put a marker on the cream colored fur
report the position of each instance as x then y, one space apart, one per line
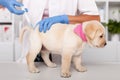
62 40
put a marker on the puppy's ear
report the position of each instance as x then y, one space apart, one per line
91 30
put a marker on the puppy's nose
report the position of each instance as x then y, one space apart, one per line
105 44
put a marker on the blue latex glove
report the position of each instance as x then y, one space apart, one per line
45 24
11 6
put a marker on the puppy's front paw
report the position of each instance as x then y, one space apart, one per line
82 69
52 65
34 70
65 74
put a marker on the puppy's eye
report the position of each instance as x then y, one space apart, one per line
101 36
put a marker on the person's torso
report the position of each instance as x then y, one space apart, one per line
55 7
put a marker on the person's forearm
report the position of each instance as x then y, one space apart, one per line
82 18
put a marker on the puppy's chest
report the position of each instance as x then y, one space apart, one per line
79 50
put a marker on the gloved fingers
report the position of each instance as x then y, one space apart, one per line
14 10
41 26
49 25
17 3
45 26
19 12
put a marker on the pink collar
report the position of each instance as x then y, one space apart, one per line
78 30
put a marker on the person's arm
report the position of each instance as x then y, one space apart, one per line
82 18
87 10
45 24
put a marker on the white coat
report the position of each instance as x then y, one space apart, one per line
59 7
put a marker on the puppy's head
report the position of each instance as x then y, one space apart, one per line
95 33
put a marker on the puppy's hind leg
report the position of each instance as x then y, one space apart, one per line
35 47
30 61
45 56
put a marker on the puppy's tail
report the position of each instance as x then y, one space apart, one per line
23 30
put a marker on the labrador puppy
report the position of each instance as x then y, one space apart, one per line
65 40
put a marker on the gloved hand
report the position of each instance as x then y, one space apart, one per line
45 24
11 6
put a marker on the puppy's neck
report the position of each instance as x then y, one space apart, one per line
79 31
